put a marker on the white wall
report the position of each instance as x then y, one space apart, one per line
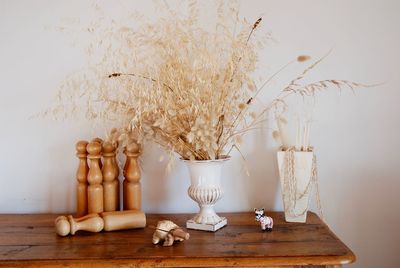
356 136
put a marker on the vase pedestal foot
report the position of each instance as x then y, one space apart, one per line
211 227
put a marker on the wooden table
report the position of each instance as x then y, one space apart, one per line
30 241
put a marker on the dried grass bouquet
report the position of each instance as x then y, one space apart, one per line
177 84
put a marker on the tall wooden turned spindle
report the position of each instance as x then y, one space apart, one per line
95 179
110 178
100 141
114 159
132 189
81 177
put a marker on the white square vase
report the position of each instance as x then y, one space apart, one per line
303 162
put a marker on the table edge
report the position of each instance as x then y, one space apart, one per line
182 261
185 262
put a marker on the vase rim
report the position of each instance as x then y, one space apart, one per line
222 159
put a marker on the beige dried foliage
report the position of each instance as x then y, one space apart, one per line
176 84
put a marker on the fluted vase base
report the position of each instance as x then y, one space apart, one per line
211 227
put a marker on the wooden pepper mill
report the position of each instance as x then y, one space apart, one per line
107 221
110 178
95 179
131 186
81 177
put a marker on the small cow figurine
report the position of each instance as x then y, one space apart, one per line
266 222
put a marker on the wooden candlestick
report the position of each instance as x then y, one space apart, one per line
131 186
95 179
110 178
107 221
81 176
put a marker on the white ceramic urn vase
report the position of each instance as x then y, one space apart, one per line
205 189
295 193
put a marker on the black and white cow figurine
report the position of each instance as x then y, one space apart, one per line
266 222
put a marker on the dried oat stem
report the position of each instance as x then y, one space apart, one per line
140 76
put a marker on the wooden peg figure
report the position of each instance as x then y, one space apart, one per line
100 141
95 179
96 222
114 159
110 178
68 225
131 186
81 177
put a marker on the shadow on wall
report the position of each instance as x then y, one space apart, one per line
164 191
263 186
154 184
62 186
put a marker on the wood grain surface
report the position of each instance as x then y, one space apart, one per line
30 241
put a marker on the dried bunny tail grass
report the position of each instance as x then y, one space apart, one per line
303 58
